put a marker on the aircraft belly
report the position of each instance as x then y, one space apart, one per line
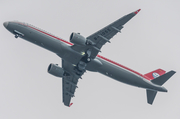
37 38
119 73
62 50
44 41
125 76
122 75
52 44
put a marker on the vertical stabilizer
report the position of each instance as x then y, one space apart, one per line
154 74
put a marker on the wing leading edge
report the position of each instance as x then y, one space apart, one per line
99 38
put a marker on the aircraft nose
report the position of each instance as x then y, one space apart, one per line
5 24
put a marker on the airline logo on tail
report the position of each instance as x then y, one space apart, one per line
155 75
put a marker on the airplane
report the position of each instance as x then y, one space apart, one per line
81 54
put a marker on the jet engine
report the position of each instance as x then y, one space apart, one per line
55 70
77 39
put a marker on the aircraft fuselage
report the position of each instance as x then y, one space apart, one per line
63 49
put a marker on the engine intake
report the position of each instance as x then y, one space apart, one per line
77 39
55 70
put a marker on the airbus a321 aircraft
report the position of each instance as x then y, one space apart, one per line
81 54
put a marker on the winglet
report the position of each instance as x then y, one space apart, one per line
70 104
137 11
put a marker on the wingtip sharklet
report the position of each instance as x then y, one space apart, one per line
70 105
137 11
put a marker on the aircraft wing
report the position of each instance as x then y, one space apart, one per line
99 38
94 44
69 82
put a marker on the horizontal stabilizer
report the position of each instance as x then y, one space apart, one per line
163 78
150 96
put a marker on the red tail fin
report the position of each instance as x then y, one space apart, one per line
154 74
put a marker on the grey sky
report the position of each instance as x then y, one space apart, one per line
148 41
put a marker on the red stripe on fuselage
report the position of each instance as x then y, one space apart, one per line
45 33
51 35
115 63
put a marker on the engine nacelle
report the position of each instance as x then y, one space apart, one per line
77 39
55 70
